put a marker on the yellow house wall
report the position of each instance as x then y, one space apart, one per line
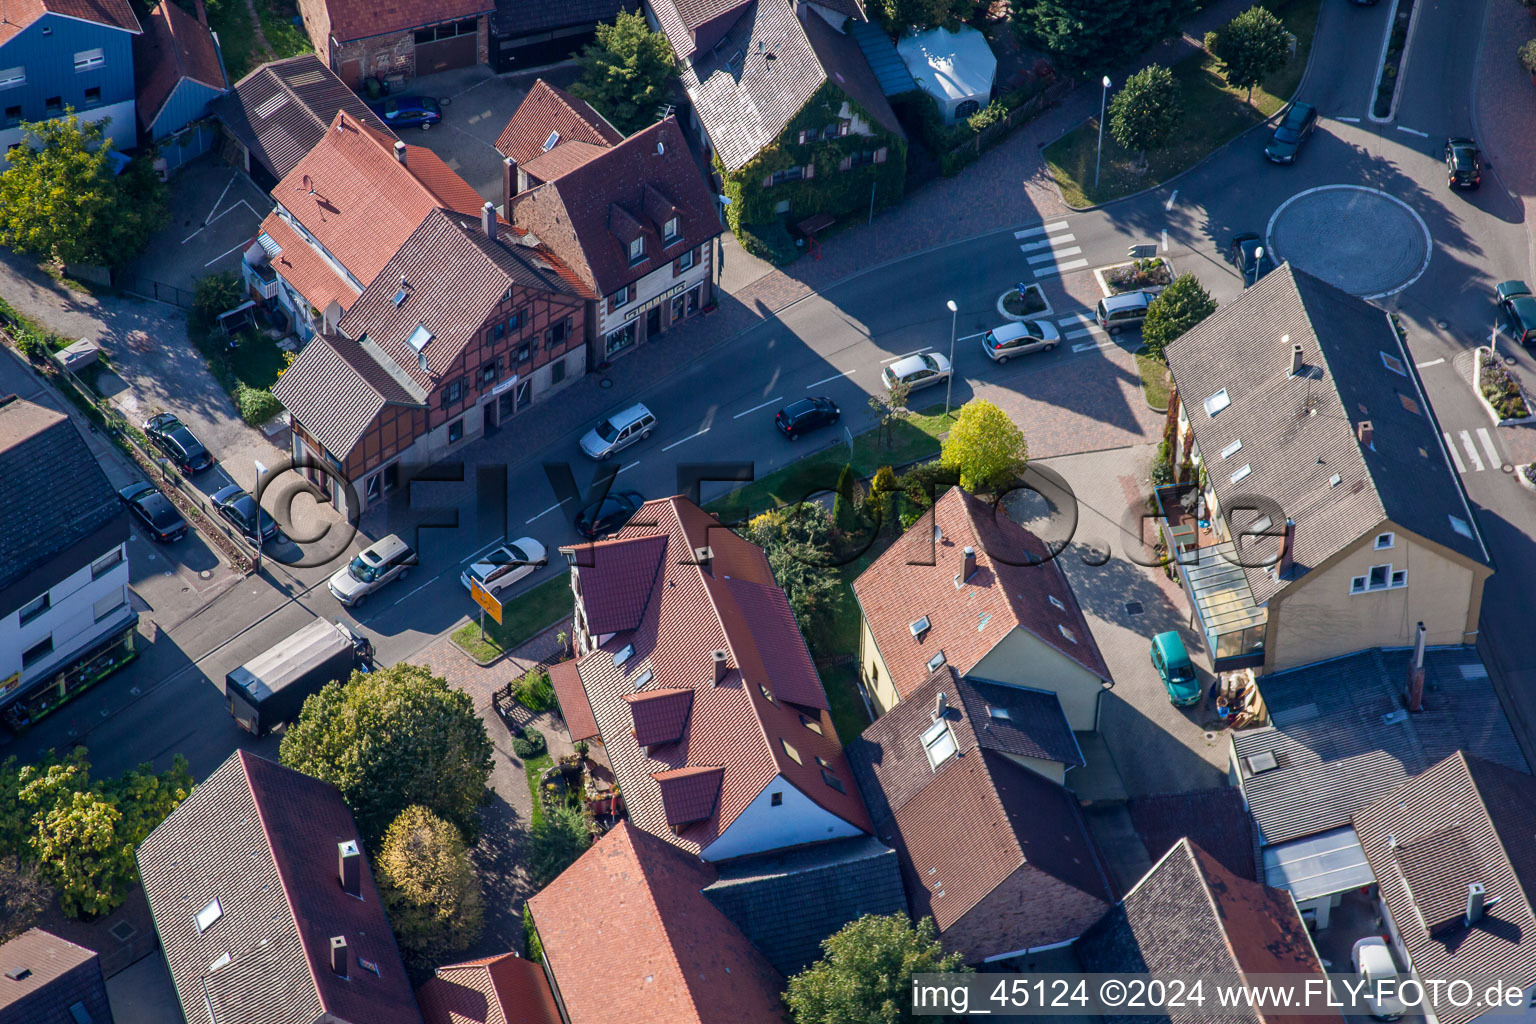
1023 659
877 678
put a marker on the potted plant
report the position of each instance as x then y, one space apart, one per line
1528 58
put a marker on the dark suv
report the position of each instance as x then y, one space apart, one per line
808 414
173 438
1249 256
1463 164
1519 308
243 513
1295 128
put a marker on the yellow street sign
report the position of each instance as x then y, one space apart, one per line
485 599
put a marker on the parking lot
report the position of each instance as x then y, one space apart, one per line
215 211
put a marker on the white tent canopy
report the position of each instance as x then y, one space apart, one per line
955 68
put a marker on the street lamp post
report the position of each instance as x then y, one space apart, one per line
1103 105
949 385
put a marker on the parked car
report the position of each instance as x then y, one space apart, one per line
175 440
609 516
243 513
1519 308
619 431
918 371
505 566
1173 666
376 566
405 111
1019 339
1463 164
1372 960
1128 309
808 414
1249 256
1295 127
154 511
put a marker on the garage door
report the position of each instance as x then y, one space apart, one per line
454 45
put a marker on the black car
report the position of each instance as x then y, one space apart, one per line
1463 164
154 511
1249 256
610 516
806 415
173 438
1294 129
242 512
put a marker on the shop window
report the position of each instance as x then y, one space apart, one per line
557 371
32 609
622 338
456 431
37 652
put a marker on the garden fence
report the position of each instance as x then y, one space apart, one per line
970 150
146 288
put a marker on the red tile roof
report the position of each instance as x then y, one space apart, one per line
688 794
631 939
173 46
502 989
573 701
360 19
660 715
565 157
899 589
112 13
305 269
575 213
674 625
548 109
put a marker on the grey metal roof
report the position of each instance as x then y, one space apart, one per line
1336 748
55 497
1319 865
1298 433
788 903
889 68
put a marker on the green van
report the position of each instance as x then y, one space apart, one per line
1173 666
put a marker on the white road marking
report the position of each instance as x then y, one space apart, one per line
757 407
1477 461
546 512
1047 243
685 440
1450 446
216 202
1413 131
418 590
1059 268
1084 333
1046 229
1075 319
1351 120
1171 197
967 337
224 254
824 380
914 352
1089 346
1047 257
1165 239
1430 362
1488 446
629 467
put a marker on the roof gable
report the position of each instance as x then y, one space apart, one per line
114 14
549 117
174 47
660 716
502 989
337 390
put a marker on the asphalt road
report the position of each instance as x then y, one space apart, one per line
836 343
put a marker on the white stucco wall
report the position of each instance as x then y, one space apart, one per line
762 826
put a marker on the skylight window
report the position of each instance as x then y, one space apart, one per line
1057 602
1461 526
1408 403
221 961
833 781
642 679
811 724
1231 449
208 915
1217 402
399 299
1335 480
982 620
999 713
552 141
419 338
791 751
920 626
625 653
1067 632
935 662
1394 364
939 743
1239 474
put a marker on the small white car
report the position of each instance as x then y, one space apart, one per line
918 371
1372 960
505 565
1018 339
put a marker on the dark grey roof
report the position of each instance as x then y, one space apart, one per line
280 110
336 390
59 975
1335 753
1299 433
890 70
60 510
846 66
526 17
788 903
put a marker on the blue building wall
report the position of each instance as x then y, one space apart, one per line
188 102
46 49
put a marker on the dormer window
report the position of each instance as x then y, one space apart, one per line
637 250
669 230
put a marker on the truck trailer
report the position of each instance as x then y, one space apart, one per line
271 687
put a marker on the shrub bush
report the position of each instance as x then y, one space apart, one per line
1528 56
1502 390
256 405
530 744
534 690
770 241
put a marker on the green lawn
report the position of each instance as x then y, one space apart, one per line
1154 379
915 438
257 361
1214 114
534 767
522 618
237 36
285 38
842 685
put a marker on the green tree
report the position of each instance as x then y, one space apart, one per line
23 896
390 739
845 514
1092 35
625 73
985 447
429 887
1251 47
890 408
896 16
59 198
555 841
798 542
1181 305
865 973
1146 110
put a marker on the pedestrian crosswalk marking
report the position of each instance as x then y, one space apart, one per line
1059 268
1450 446
1047 257
1047 243
1488 446
1045 229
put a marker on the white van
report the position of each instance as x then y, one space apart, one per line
620 430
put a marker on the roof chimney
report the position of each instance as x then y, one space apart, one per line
488 220
970 563
940 705
339 955
1416 672
1475 893
1287 549
1296 361
1365 432
508 184
400 151
350 868
722 666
